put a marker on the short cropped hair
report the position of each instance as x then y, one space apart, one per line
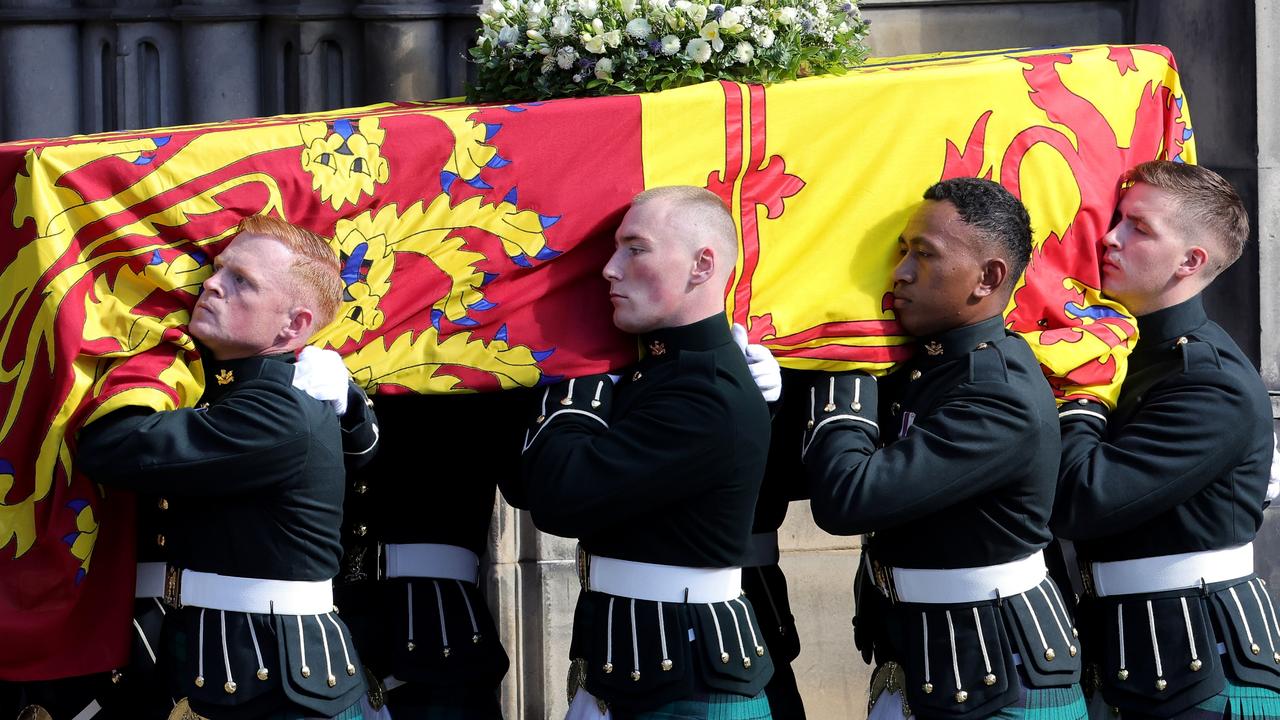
998 216
314 274
1207 204
704 211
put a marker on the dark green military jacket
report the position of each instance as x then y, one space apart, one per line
952 463
250 484
433 481
1180 465
663 468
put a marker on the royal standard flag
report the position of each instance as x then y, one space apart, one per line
471 240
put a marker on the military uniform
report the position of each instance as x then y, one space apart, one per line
1163 497
952 585
249 488
658 477
414 541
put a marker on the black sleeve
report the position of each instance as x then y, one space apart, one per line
581 474
359 429
1179 441
251 439
953 454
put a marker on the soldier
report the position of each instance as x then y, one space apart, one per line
409 586
249 488
1163 495
658 477
953 602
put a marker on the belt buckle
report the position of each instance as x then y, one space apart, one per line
172 586
1086 577
883 577
584 568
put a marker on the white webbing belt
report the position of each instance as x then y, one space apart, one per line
967 585
256 595
663 583
432 560
1172 572
150 582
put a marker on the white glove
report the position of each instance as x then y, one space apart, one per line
1273 487
764 369
322 375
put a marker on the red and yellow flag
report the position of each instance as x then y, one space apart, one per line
472 239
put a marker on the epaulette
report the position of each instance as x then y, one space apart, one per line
1198 354
986 364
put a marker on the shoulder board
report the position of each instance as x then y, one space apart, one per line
694 362
987 365
1199 355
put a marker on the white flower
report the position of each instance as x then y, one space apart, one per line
508 35
698 50
577 78
535 10
548 62
711 33
604 69
697 13
613 38
628 7
561 26
598 26
565 57
545 50
588 8
764 36
787 15
535 36
744 53
639 29
731 21
670 45
593 43
494 7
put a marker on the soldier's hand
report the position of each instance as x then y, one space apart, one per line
764 368
845 399
322 375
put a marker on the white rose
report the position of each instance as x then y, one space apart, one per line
598 26
507 35
670 45
593 44
744 53
494 7
711 33
787 15
697 13
698 50
561 26
613 38
765 37
535 36
731 20
588 8
628 7
536 10
565 57
604 69
639 29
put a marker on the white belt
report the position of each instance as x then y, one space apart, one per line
150 582
967 585
662 583
1172 572
255 595
431 560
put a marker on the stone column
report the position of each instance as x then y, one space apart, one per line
313 52
148 64
40 63
1268 117
405 44
221 59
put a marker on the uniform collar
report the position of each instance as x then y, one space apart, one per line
1164 327
960 341
664 343
222 376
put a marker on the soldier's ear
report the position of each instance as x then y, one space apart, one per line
995 271
704 266
1194 260
301 324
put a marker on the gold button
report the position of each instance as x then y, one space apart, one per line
230 687
981 346
305 671
667 665
1196 665
1049 654
116 677
1181 341
263 673
332 681
989 680
360 530
961 696
361 488
199 681
1122 674
160 540
915 374
608 668
724 658
635 676
635 377
1161 684
163 504
927 687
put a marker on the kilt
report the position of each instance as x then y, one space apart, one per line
699 706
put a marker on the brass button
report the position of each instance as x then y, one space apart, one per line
361 488
116 677
981 346
1181 341
961 696
895 408
163 504
360 530
160 540
915 374
263 673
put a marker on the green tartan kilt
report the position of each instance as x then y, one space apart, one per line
709 706
1235 702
